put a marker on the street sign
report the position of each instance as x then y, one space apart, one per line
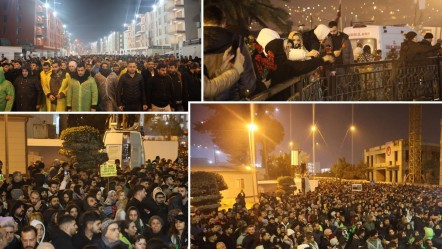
108 170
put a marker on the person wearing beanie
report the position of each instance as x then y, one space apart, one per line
17 194
414 53
67 227
157 206
28 91
110 234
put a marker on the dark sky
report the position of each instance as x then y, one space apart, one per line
90 20
375 124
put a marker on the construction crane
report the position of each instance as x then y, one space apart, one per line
415 145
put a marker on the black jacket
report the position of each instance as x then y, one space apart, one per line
192 82
216 41
28 93
62 241
413 53
160 92
80 240
310 40
144 216
178 85
130 90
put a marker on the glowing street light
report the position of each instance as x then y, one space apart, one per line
252 128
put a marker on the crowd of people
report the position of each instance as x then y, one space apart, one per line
67 207
257 64
381 216
99 83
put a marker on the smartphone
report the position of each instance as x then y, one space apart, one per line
236 43
66 173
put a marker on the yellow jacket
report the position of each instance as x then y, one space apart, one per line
61 103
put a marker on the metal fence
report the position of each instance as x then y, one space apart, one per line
375 81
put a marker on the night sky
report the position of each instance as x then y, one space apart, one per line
90 20
375 124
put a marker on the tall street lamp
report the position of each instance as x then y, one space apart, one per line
352 129
252 128
313 129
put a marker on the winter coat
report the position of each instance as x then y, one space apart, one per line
6 89
107 91
412 53
178 85
62 241
61 103
130 90
216 85
310 41
28 93
160 92
338 42
216 41
82 96
192 82
287 69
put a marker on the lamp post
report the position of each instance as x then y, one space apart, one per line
352 129
313 143
252 128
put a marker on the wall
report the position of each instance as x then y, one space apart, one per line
16 145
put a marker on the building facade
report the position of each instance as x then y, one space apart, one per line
389 162
31 25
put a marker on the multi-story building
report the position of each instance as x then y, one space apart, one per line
389 162
170 25
31 25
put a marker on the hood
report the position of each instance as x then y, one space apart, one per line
2 75
265 36
217 40
156 191
321 31
34 223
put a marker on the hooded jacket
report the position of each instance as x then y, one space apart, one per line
61 103
82 94
6 89
107 91
28 92
216 41
34 223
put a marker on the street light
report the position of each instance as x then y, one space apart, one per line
352 129
252 128
313 128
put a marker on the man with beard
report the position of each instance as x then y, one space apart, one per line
28 92
7 93
38 204
83 93
8 226
45 77
54 206
137 201
130 93
29 237
15 72
340 45
148 72
67 228
160 93
178 85
251 240
116 69
18 213
89 202
179 201
90 230
156 204
192 81
107 82
56 89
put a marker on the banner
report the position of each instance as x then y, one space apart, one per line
108 170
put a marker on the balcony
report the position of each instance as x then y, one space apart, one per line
40 22
174 7
172 30
39 34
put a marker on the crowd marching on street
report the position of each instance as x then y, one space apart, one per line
99 83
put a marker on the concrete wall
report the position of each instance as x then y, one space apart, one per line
16 143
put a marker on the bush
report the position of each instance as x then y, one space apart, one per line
205 190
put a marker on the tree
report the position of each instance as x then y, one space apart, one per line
205 189
243 12
82 145
344 170
285 185
279 165
228 130
166 126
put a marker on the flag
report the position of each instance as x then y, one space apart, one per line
338 15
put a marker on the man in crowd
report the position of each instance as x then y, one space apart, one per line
28 237
56 89
82 93
107 83
130 91
160 92
67 228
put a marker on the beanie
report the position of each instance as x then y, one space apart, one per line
105 225
16 193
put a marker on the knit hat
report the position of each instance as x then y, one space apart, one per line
321 31
290 232
265 36
16 193
334 241
156 191
105 225
410 35
428 36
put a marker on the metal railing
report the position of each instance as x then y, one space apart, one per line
374 81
